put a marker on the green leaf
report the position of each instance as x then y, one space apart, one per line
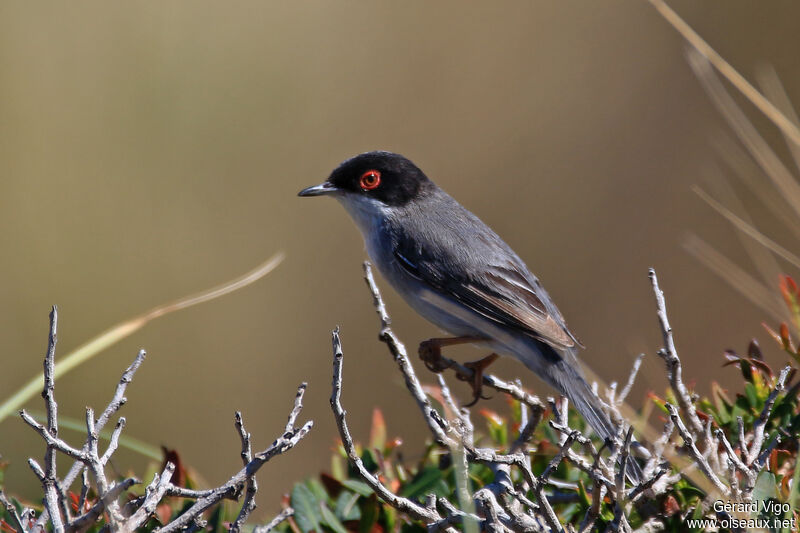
338 470
698 510
346 508
369 514
586 500
390 518
766 487
306 509
318 489
357 486
330 520
422 483
752 395
369 460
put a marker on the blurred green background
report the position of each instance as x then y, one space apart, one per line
152 149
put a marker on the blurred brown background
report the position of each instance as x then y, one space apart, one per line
148 150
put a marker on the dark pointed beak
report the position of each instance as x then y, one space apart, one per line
319 190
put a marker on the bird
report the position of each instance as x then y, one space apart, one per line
456 272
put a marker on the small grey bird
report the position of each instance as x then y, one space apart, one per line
459 274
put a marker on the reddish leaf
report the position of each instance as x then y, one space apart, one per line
792 285
660 402
772 333
785 338
73 498
377 435
492 417
332 485
163 513
718 391
754 350
179 475
744 365
731 356
785 489
763 367
671 506
393 444
785 290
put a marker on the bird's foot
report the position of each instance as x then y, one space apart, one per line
430 351
476 379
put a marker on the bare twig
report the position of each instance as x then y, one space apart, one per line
670 355
699 460
761 423
87 519
275 522
249 503
52 497
234 485
138 511
637 363
153 495
16 521
527 430
404 505
436 424
117 401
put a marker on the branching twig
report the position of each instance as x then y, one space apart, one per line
138 511
631 379
249 504
283 515
234 485
404 505
53 499
761 423
436 424
670 355
699 460
16 521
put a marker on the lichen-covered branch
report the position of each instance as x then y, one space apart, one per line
517 500
89 459
670 355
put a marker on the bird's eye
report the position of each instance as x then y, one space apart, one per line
370 180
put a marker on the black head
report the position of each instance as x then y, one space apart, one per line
388 177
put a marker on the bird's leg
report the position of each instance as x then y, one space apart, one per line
430 351
476 380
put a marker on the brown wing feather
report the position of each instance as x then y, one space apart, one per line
500 289
540 324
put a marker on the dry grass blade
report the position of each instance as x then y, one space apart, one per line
773 89
747 133
762 257
747 285
124 329
789 129
746 228
751 176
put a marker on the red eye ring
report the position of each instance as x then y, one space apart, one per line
370 180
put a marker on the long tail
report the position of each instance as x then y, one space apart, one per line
566 376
